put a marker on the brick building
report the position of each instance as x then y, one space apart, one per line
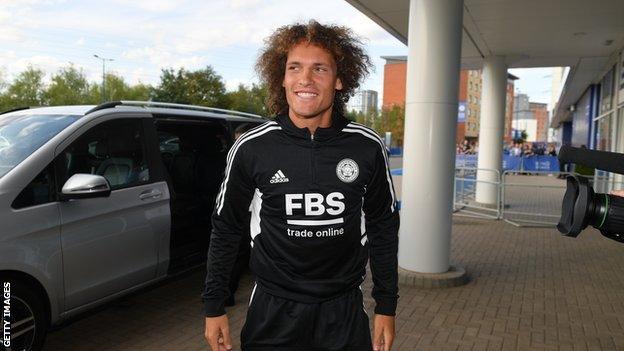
540 112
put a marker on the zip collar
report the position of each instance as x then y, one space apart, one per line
321 134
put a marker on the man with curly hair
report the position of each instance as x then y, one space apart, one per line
322 205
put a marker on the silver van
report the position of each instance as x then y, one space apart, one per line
99 201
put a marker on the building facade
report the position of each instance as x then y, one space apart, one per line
469 96
540 113
364 101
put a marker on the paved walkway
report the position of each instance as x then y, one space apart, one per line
529 289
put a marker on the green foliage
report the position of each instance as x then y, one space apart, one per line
351 115
117 89
369 119
27 89
202 87
250 100
392 120
69 86
523 136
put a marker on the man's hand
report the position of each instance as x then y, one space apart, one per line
218 333
383 332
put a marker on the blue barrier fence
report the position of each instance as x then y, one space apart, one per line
396 151
515 163
510 163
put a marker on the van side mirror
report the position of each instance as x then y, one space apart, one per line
85 186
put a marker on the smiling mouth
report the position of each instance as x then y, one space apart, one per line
304 94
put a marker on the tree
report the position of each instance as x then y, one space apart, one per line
249 100
392 120
351 115
69 86
118 89
201 87
368 119
27 89
139 92
522 137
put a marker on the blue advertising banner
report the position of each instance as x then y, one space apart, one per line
515 163
466 161
510 163
539 163
548 163
529 164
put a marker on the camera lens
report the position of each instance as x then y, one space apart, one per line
582 207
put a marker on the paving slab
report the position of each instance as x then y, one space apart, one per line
530 288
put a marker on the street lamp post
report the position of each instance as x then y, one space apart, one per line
103 74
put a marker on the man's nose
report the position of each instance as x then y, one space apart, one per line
305 78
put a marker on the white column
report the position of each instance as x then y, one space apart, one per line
434 44
491 128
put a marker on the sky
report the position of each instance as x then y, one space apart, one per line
144 36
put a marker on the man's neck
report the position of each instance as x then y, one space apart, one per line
324 120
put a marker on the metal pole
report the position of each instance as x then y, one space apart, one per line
103 80
103 74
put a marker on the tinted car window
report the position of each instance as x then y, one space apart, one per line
21 135
114 150
39 191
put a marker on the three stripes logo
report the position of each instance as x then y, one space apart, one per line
279 177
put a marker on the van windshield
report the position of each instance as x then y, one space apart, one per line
22 134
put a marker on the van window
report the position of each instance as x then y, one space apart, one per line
113 149
22 134
39 191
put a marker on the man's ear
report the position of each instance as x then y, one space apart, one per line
338 85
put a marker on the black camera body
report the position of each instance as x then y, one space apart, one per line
581 206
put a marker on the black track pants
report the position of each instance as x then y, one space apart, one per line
275 323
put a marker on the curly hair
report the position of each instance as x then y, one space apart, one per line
353 64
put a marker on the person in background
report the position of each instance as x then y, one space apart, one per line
551 150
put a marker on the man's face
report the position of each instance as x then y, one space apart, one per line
310 81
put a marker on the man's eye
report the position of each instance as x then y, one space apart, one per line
292 68
321 69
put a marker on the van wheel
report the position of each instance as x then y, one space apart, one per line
28 319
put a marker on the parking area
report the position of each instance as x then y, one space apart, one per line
530 288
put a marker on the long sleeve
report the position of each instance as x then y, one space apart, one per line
228 225
382 227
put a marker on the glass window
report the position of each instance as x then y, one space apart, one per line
113 149
606 92
603 134
21 134
37 192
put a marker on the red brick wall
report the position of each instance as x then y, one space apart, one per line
463 85
395 75
394 84
540 111
507 136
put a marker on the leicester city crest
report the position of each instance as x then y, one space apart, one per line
347 170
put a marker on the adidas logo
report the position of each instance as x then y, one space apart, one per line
279 177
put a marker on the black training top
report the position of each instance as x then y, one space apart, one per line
320 205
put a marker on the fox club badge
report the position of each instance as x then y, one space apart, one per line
347 170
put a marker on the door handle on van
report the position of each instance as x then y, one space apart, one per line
150 194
